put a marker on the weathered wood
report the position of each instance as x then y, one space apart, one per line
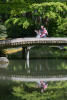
24 42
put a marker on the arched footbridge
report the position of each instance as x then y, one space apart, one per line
27 43
24 42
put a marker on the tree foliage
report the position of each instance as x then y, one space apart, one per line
2 31
31 14
56 14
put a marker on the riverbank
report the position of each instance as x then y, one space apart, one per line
28 91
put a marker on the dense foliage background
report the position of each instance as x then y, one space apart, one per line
22 17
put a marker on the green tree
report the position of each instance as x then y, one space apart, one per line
25 15
2 31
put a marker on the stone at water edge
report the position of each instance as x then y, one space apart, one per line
4 60
3 65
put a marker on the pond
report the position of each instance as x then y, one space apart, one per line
38 68
35 68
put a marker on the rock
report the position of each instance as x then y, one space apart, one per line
4 60
5 65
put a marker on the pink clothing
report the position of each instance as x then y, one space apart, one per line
45 86
43 32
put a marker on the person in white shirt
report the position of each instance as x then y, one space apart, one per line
38 33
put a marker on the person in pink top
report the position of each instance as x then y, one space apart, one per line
43 32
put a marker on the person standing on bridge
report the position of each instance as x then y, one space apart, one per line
43 32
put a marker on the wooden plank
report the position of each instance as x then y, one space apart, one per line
32 41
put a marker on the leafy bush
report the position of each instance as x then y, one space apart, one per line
19 27
23 21
3 31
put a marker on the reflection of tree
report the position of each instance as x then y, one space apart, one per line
6 91
47 67
46 64
28 91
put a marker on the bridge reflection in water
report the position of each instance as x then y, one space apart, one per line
46 69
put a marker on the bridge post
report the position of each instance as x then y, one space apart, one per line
25 53
27 56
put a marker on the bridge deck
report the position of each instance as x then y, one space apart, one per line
32 41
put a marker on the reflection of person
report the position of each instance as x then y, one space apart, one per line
42 85
43 31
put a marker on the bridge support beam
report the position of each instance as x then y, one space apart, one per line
27 57
25 53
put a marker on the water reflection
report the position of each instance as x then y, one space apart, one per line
34 68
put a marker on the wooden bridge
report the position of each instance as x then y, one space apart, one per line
27 43
24 42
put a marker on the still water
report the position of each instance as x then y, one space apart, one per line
12 90
35 68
